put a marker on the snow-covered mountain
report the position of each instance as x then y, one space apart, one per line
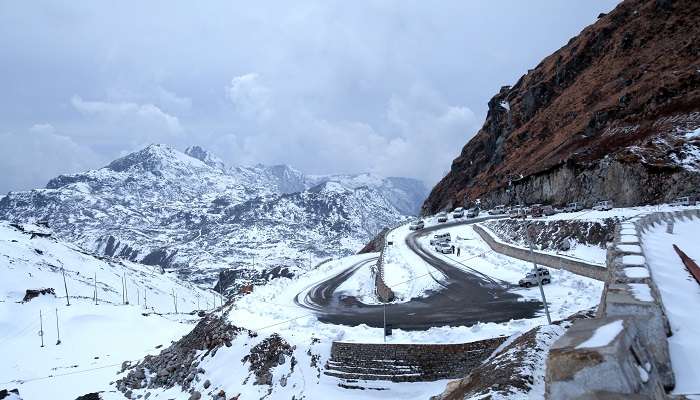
191 212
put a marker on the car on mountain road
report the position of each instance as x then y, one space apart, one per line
605 205
444 248
440 237
500 209
573 207
442 217
548 210
416 225
472 212
536 210
458 212
531 278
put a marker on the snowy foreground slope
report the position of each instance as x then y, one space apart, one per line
190 212
95 338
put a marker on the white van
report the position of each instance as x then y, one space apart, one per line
604 205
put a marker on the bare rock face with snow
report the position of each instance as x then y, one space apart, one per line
614 114
191 212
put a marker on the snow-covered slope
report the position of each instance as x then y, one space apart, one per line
189 211
95 338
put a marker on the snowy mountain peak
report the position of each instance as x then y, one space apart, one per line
206 157
156 157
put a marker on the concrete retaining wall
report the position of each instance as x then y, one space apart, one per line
548 260
636 361
407 362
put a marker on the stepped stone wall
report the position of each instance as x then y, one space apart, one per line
407 362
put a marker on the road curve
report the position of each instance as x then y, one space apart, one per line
465 298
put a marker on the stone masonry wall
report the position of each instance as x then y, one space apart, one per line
407 362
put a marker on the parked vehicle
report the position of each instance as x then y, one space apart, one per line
416 225
536 210
573 207
517 212
548 210
458 212
473 212
604 205
442 217
531 278
684 201
501 209
444 248
439 238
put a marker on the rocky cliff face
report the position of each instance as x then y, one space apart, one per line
614 114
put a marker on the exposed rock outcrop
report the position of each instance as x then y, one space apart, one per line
179 364
614 114
550 234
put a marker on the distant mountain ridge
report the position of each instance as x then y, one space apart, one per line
191 212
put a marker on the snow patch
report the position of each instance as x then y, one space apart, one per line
603 335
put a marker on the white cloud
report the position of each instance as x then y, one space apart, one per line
42 128
249 96
149 114
419 137
39 154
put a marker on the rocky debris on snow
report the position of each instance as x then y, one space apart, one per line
233 282
32 293
555 234
610 115
90 396
179 364
12 394
264 356
375 244
515 367
511 369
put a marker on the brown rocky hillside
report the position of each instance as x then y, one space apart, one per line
611 115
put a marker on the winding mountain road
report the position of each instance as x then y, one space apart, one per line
465 298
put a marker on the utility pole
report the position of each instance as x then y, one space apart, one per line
530 238
126 290
384 322
123 299
145 302
41 328
175 301
58 332
95 288
63 271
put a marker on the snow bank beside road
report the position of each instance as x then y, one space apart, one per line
680 294
408 275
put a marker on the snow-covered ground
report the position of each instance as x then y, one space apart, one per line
680 294
95 339
620 212
408 275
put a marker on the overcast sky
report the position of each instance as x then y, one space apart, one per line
392 87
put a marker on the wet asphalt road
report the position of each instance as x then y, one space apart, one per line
465 297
